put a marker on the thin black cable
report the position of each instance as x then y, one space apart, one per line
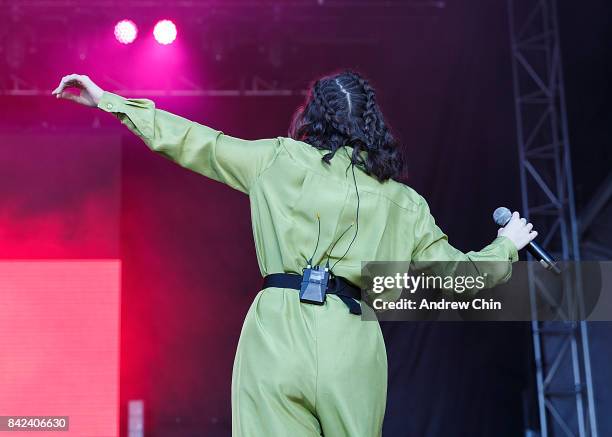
336 242
309 261
356 222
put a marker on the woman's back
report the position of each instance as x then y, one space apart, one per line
297 189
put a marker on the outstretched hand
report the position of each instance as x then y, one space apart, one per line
89 93
518 231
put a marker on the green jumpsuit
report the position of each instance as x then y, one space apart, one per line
306 370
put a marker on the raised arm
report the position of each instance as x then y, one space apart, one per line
433 250
207 151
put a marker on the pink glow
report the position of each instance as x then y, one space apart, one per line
165 32
59 342
126 31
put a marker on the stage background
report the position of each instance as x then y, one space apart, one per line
189 270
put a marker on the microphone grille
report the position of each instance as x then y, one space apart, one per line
502 216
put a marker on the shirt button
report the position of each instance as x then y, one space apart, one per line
109 105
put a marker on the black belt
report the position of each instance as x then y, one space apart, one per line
347 292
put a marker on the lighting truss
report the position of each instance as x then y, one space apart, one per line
562 359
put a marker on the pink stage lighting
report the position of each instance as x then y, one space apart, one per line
165 32
126 31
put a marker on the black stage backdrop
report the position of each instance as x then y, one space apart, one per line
189 267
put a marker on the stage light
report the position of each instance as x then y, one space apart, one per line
126 31
164 32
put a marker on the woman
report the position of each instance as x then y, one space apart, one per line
324 196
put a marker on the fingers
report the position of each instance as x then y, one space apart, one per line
515 221
527 228
60 86
518 230
70 80
69 96
519 221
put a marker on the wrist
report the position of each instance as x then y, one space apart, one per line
97 95
510 246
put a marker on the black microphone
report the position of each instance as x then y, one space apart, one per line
502 216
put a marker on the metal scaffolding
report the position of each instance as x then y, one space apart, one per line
561 349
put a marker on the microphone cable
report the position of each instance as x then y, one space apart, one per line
352 165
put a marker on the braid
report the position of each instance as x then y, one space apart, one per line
341 110
331 117
368 119
369 115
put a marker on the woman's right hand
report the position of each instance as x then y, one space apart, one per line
89 93
518 231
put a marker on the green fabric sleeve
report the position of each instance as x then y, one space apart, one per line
432 249
210 152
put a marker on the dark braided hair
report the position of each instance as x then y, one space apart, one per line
341 110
